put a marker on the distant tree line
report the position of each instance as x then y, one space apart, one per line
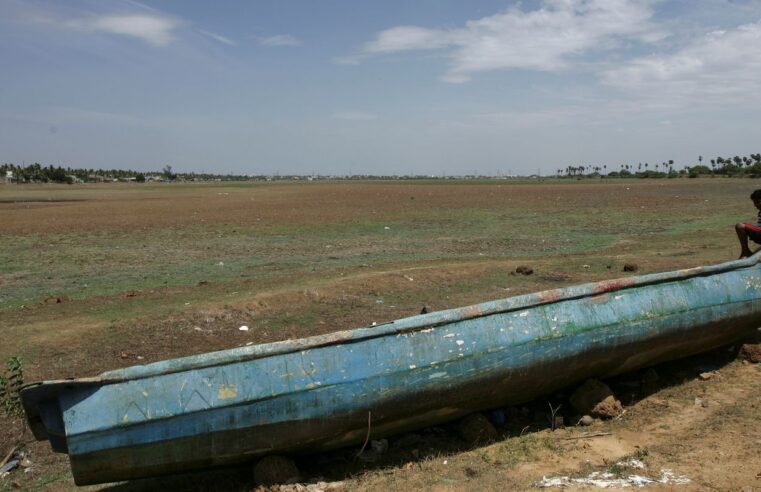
725 166
38 173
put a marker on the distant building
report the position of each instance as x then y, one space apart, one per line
9 176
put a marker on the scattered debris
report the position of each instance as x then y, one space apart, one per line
701 402
14 459
524 270
301 487
595 398
243 328
275 469
201 283
631 267
476 428
10 465
588 435
705 376
751 352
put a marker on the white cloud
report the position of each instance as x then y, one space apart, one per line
547 39
354 116
280 40
153 29
218 37
721 66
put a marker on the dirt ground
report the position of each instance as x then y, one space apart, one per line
98 277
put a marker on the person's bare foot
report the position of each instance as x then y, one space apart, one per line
745 254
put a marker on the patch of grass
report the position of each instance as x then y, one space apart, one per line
518 450
616 470
11 382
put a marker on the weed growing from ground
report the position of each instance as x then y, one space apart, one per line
10 384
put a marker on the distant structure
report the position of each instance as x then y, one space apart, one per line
9 176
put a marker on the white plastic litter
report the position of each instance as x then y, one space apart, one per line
243 328
606 480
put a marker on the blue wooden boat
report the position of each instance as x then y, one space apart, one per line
229 407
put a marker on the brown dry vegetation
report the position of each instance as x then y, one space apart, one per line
151 272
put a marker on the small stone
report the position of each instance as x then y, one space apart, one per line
476 428
631 267
704 403
586 420
275 469
705 376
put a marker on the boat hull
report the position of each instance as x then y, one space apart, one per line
230 407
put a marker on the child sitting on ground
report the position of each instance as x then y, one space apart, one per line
750 231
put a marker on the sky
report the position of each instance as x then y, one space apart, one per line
438 87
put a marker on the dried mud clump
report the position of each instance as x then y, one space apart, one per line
631 267
751 353
524 270
595 398
476 428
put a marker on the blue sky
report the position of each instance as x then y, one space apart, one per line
348 87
